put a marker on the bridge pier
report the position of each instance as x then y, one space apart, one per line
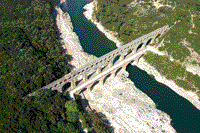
84 76
124 66
101 81
98 71
73 83
135 50
110 64
121 58
153 40
144 45
113 74
72 97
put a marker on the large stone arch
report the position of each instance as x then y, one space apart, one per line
78 82
157 36
116 59
94 84
117 71
149 41
66 86
90 75
106 77
139 46
84 89
129 51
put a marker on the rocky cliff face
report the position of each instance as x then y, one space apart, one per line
127 108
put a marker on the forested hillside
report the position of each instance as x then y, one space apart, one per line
31 58
131 19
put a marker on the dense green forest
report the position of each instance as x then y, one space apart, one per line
131 20
174 71
48 111
31 57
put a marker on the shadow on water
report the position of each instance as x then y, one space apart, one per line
185 117
91 39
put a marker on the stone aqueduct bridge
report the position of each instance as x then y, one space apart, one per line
105 66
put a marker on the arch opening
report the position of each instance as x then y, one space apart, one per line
139 47
104 80
130 62
78 82
140 57
158 36
93 85
116 59
66 86
84 89
103 68
90 75
149 41
128 53
118 70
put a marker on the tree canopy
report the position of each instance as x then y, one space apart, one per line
31 57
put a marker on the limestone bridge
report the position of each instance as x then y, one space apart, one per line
105 66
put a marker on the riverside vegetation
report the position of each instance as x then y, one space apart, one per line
131 19
31 57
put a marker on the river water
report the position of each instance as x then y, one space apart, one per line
185 117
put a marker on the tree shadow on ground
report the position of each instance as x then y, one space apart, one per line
97 119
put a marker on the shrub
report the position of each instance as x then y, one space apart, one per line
168 68
185 85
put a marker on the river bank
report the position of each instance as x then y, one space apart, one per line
189 95
70 41
131 106
142 64
110 35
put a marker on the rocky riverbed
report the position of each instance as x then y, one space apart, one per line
70 41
